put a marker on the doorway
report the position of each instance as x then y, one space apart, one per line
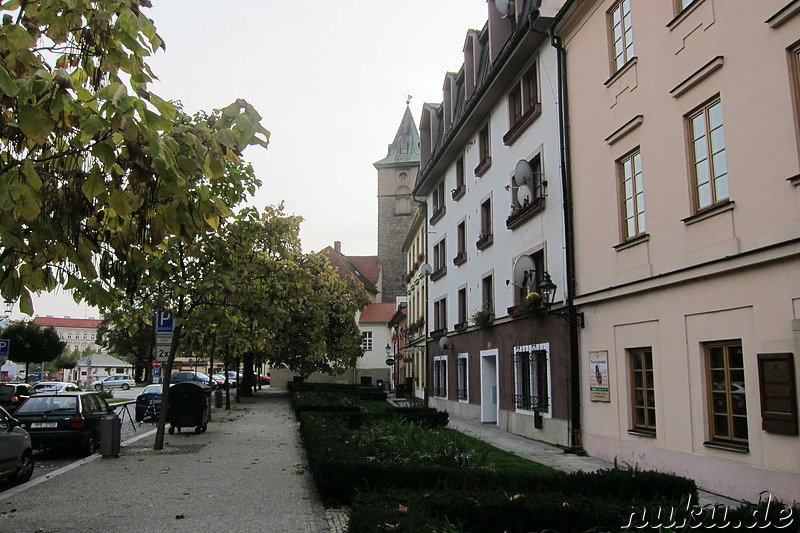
489 392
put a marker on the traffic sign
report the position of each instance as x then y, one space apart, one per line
156 373
164 339
164 322
162 354
5 346
156 364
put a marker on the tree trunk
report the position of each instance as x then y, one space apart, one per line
246 385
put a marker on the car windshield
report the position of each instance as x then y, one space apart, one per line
48 404
46 387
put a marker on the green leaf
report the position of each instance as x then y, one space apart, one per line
92 125
25 302
35 123
105 153
95 184
7 83
119 203
32 176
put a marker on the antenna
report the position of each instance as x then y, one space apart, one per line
522 173
505 7
444 343
524 270
426 269
524 195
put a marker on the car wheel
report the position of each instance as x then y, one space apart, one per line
98 387
24 469
171 431
125 386
91 445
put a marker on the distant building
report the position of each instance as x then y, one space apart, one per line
78 333
95 367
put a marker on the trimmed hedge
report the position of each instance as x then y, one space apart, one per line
342 390
341 470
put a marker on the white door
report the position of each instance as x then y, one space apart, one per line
489 390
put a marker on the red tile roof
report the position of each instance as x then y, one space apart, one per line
57 322
365 269
378 313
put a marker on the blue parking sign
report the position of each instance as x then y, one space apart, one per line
5 346
164 322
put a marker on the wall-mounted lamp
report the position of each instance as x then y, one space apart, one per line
548 291
388 350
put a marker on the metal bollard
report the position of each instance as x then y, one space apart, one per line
110 430
218 398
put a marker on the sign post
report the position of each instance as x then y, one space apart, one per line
164 327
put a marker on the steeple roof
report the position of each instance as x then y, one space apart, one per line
405 148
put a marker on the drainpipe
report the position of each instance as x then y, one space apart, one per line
573 320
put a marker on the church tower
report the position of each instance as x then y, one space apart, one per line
397 175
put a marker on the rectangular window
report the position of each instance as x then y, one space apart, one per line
461 237
462 307
463 376
484 151
527 190
440 376
439 260
707 148
621 33
486 218
438 203
643 402
366 341
440 314
727 397
632 188
531 282
680 5
531 379
487 293
523 97
460 172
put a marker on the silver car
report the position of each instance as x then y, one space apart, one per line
122 381
16 453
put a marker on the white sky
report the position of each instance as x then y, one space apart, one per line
329 78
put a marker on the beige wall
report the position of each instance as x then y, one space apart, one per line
733 273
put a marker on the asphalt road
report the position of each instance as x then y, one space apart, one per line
46 461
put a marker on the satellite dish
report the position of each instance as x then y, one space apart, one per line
523 271
426 269
522 172
524 195
444 343
505 7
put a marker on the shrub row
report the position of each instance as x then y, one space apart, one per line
341 470
342 390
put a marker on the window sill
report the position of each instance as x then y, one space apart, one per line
521 215
483 166
633 241
435 334
710 211
437 216
439 274
484 242
460 259
460 326
642 433
727 446
680 17
522 124
459 192
621 71
794 180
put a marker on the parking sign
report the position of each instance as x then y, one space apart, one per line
5 345
164 322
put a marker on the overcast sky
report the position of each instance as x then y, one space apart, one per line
329 78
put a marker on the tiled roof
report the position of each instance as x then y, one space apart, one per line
57 322
345 267
101 359
378 313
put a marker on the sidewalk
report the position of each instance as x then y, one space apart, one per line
247 472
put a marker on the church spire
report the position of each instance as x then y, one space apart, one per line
405 147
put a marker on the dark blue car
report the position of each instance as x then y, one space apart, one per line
148 403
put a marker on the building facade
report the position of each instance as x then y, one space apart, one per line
78 333
684 155
490 174
416 279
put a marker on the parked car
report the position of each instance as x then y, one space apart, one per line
190 375
219 379
233 378
16 451
123 381
262 379
64 419
56 386
12 395
148 403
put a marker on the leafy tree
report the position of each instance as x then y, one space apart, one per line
31 343
65 360
134 343
97 171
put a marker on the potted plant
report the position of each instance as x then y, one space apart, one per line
531 302
482 318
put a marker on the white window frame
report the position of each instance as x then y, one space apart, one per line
366 341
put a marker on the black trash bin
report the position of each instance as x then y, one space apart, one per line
189 406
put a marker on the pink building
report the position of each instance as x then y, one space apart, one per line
683 125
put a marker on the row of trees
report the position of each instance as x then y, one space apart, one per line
120 196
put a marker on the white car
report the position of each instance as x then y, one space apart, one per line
122 381
56 386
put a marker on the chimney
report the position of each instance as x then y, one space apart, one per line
337 246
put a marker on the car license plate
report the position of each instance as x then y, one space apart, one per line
39 425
